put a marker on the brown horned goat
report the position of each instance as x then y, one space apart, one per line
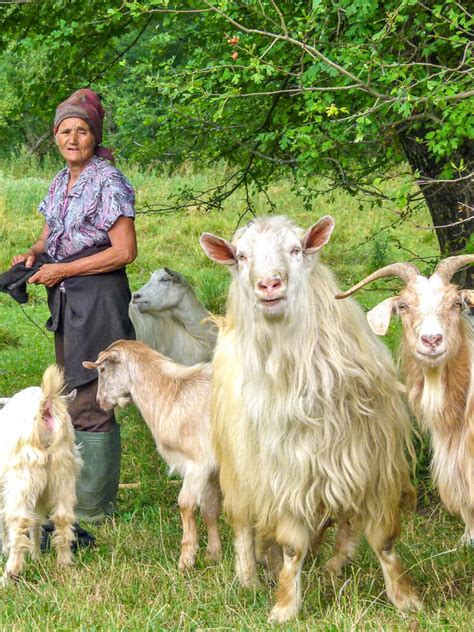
438 359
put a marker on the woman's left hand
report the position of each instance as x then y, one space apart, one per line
49 274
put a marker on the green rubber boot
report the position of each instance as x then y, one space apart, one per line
98 480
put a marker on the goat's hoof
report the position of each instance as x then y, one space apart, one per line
213 556
281 614
335 566
466 539
7 580
250 583
186 561
64 559
409 602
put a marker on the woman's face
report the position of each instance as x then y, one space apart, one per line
76 142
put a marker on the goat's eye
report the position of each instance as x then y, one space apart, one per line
458 303
295 251
241 257
402 306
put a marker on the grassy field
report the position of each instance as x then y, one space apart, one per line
129 581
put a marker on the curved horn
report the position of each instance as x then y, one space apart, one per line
405 271
446 268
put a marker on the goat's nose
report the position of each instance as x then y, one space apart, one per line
269 284
432 341
136 295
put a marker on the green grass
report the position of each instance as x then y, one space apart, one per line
129 581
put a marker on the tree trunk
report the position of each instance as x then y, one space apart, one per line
448 202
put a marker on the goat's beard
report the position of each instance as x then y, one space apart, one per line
272 310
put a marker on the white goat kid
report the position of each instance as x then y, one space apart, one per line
39 463
168 317
438 359
174 401
308 422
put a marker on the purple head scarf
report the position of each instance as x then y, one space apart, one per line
85 104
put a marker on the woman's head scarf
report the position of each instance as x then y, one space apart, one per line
85 104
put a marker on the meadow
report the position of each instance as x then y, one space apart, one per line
129 581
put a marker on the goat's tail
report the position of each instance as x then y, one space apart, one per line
53 409
52 383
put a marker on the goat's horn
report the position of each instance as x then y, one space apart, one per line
446 268
405 271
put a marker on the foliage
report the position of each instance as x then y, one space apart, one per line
348 90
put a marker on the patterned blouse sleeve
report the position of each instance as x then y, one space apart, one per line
117 199
43 207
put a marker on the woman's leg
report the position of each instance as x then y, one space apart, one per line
98 436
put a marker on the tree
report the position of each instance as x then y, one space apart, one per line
347 90
350 90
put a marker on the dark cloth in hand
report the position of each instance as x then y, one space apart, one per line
13 281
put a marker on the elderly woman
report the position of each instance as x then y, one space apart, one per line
87 239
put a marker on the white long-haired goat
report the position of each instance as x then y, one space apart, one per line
307 417
39 463
168 317
438 360
174 402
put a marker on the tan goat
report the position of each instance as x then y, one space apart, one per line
307 418
438 359
174 402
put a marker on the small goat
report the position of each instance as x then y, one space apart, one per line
174 402
307 421
438 359
39 463
168 317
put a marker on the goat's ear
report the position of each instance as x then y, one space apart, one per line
90 365
318 235
467 297
70 397
379 316
218 249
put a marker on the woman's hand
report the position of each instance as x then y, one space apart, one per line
28 258
49 274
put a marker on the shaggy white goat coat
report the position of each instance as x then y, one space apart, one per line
39 463
307 416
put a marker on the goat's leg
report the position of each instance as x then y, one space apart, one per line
288 598
271 555
35 536
245 559
4 536
467 515
62 500
189 542
19 543
20 494
318 534
400 590
347 539
210 511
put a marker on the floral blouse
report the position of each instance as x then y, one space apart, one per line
81 218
